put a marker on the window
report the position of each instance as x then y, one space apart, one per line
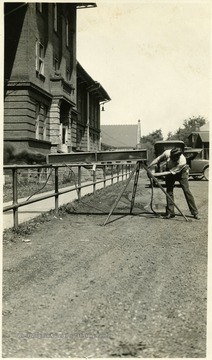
39 7
79 137
63 134
45 118
67 32
55 17
56 64
37 121
67 73
39 58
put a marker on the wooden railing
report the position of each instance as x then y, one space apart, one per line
116 171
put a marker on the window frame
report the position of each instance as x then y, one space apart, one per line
39 7
56 63
39 57
67 32
37 121
68 73
55 17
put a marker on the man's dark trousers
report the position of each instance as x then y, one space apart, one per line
182 177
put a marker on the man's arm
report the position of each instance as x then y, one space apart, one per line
164 173
160 158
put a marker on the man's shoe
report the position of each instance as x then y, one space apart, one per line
169 216
196 216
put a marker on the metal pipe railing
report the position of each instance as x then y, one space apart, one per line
126 168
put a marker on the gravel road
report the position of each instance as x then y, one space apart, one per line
136 287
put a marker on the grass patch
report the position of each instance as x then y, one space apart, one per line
27 228
98 199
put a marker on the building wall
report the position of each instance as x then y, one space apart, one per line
88 124
45 107
16 68
26 84
20 113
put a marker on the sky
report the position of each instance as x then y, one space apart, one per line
152 58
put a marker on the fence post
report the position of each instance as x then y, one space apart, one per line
15 198
127 170
122 171
94 178
117 173
111 174
79 181
104 174
130 168
56 189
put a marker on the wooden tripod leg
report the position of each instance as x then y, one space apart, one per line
135 188
157 182
120 195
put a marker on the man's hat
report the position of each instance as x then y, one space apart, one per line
175 152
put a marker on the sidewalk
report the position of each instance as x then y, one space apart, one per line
33 210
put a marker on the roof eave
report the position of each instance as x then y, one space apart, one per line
94 86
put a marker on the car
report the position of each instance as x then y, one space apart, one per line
161 146
199 167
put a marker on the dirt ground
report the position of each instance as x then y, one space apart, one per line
136 287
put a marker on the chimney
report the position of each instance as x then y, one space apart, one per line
139 132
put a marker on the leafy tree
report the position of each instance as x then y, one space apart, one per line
191 125
152 137
147 142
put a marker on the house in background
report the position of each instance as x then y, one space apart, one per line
50 102
122 137
201 139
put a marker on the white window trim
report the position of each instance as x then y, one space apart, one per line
37 121
40 7
39 56
68 74
56 63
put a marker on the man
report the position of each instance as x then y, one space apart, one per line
176 170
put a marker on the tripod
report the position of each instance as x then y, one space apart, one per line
140 164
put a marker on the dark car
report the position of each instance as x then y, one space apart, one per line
199 167
161 146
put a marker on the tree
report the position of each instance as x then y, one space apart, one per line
152 137
191 125
147 142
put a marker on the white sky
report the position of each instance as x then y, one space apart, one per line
153 59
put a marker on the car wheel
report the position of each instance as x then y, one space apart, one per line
206 173
197 177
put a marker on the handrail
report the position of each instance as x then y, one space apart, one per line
125 170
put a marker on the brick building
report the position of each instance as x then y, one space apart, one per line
43 93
